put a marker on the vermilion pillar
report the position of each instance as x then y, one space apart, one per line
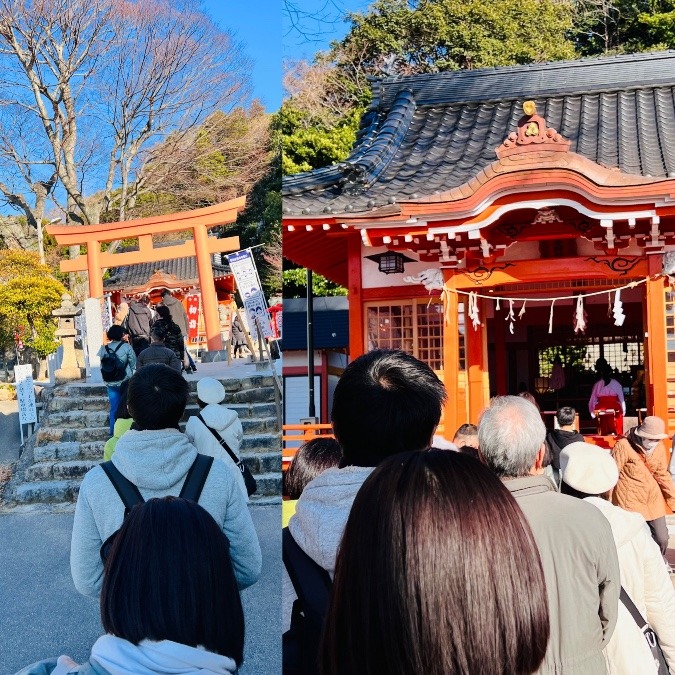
451 364
94 269
356 332
208 290
476 365
655 341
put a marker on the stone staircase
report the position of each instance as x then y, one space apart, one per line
74 430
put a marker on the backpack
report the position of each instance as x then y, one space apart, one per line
138 321
131 496
112 368
312 585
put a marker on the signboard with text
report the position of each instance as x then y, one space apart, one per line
245 273
25 393
192 302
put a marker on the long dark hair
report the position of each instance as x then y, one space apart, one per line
169 577
437 573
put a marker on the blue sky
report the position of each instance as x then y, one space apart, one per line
321 21
257 26
265 31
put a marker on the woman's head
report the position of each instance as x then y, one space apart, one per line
437 573
169 577
311 459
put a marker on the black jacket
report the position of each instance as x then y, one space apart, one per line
557 440
139 320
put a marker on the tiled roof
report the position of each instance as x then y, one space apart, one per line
426 134
331 323
184 269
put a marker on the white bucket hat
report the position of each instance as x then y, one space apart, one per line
588 468
209 390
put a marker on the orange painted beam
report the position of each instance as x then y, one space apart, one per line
655 341
557 269
210 216
185 250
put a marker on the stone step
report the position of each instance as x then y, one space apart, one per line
231 386
83 434
63 404
47 492
48 435
268 485
59 405
81 419
58 471
262 463
68 451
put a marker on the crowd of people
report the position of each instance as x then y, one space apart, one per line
163 534
512 550
524 551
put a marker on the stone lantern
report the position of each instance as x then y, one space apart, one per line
69 370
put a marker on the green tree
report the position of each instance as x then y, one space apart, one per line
28 294
295 284
622 26
402 37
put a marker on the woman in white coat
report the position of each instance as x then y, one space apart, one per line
221 420
590 473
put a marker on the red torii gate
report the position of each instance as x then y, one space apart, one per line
202 246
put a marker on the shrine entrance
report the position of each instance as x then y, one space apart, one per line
523 360
202 246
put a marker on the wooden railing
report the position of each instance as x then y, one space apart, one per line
294 435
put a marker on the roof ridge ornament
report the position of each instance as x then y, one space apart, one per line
533 135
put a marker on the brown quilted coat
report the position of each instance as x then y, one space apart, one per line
644 486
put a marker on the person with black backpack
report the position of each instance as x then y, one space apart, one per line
385 402
155 459
118 362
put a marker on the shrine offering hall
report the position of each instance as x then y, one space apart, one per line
488 221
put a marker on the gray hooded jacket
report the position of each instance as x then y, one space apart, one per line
157 463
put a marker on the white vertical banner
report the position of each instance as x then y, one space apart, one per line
92 339
245 273
25 393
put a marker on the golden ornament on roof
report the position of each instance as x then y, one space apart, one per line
529 108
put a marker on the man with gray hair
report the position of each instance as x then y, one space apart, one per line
575 540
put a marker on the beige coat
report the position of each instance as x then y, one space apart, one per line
644 486
582 575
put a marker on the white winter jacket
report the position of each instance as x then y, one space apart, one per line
112 655
227 424
645 579
157 463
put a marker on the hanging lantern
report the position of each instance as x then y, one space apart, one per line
390 262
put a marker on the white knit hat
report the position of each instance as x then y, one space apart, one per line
588 468
209 390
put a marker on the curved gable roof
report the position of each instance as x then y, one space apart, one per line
427 134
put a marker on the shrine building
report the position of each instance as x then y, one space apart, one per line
489 220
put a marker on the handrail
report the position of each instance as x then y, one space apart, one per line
277 382
305 432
